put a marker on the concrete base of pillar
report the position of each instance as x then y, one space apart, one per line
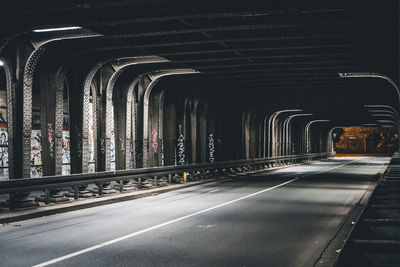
83 194
24 203
55 198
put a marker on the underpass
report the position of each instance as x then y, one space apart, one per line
284 217
182 132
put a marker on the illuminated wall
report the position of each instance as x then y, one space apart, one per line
361 140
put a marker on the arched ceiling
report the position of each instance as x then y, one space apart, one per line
266 53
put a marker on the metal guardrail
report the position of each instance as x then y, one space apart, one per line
74 180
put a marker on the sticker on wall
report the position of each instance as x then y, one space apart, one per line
36 153
3 154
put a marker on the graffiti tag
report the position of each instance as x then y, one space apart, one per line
154 143
181 147
211 148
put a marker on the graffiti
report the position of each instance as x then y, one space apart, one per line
36 153
91 145
66 169
36 172
112 151
91 134
3 147
2 120
211 148
79 143
181 147
50 131
154 143
122 143
112 147
102 146
91 167
66 153
3 154
50 137
66 150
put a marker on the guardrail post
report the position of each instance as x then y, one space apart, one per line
11 201
76 192
46 196
169 178
139 183
121 185
155 180
100 186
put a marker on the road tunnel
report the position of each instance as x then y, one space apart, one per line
102 98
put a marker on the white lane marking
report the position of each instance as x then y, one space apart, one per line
206 226
338 166
79 252
215 190
157 226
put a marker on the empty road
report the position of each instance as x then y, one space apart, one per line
279 218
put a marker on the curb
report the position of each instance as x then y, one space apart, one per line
20 215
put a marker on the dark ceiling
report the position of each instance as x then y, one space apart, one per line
271 53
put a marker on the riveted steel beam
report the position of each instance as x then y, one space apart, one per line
155 76
11 118
120 66
227 28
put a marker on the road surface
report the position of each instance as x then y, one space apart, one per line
279 218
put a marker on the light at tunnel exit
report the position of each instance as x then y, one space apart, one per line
365 140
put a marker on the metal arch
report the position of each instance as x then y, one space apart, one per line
59 119
205 142
29 70
131 121
267 134
385 115
11 117
193 127
130 135
330 140
372 75
155 77
109 122
109 97
146 158
245 125
94 112
272 130
383 111
383 106
307 133
161 129
250 114
27 108
87 83
287 133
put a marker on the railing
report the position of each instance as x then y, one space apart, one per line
99 178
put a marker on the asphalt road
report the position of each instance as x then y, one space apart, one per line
276 218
